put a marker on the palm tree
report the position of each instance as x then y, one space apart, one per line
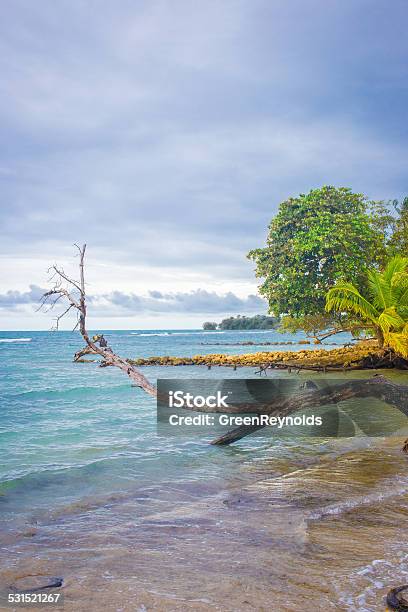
384 310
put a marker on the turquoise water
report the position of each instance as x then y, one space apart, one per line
70 431
134 521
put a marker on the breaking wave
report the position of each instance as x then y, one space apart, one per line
376 497
15 339
177 333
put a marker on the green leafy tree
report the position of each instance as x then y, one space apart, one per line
209 325
316 240
255 322
384 305
399 239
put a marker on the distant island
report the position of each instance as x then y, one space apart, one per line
243 322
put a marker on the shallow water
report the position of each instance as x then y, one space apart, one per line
133 521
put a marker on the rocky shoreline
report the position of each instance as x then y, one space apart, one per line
364 355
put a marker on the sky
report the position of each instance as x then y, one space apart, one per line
165 135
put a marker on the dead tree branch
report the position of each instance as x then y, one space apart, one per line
75 295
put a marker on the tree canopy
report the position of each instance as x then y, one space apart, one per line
316 240
243 322
210 325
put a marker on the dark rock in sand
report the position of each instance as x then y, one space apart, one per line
31 584
396 601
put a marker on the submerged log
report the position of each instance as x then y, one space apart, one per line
236 434
280 365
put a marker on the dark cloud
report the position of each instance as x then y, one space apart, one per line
12 299
199 301
156 294
118 303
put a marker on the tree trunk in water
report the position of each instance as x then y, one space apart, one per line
378 387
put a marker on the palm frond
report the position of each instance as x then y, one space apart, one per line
400 280
386 304
390 319
399 342
380 290
344 297
403 299
397 264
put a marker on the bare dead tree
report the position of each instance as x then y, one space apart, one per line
74 295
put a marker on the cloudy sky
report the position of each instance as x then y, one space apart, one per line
165 134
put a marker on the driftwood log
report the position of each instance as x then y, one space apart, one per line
74 294
377 387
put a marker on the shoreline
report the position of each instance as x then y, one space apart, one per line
285 514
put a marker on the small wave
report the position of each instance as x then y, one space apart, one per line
159 334
368 584
80 390
15 339
192 333
391 490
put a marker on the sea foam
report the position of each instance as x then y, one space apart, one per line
15 339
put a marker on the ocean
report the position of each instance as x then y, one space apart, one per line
135 521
